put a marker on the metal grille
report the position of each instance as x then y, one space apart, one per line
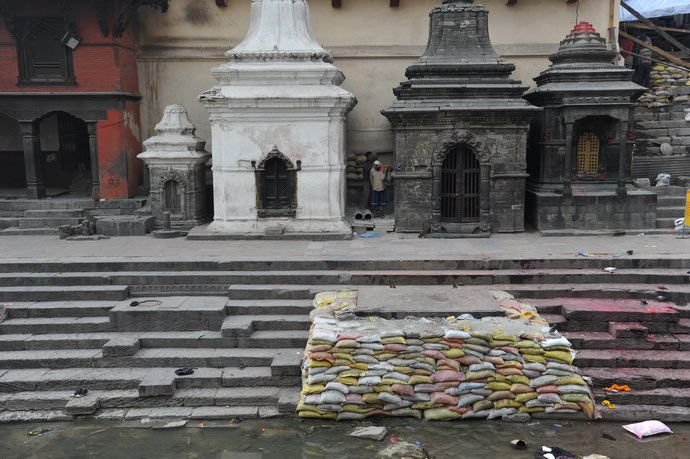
277 185
172 197
460 180
588 153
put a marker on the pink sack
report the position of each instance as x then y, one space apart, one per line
446 375
647 428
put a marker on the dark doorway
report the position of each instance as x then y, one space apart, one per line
460 180
172 197
66 154
11 154
277 190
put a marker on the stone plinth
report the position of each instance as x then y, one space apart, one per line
278 128
175 158
460 127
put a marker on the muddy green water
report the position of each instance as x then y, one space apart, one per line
290 438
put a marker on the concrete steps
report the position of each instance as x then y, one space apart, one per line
239 279
616 358
43 325
64 293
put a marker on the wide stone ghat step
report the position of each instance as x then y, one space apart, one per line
619 261
354 277
281 361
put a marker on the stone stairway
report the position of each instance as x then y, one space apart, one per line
622 341
670 205
243 325
43 216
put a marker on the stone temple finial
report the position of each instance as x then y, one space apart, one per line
175 121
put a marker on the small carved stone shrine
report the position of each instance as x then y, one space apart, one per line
580 152
460 127
278 127
176 158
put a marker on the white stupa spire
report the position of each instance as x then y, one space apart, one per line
279 29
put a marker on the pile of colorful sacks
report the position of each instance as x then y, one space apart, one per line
436 369
663 79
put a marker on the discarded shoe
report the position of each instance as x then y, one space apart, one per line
81 392
184 371
553 452
518 444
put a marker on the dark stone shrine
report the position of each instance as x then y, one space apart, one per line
461 128
580 153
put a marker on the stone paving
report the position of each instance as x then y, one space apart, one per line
389 246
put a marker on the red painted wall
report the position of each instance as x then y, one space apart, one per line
101 64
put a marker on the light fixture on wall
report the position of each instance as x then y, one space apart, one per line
71 40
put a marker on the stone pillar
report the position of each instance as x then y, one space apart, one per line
567 188
622 158
93 154
31 141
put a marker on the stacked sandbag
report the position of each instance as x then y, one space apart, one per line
663 78
437 369
353 168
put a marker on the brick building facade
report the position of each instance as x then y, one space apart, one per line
69 97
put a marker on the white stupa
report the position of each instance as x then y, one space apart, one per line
278 129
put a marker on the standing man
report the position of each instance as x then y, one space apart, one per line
377 176
366 184
644 66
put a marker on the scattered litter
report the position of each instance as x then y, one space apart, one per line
145 420
618 388
556 428
152 302
661 298
608 405
647 428
97 431
518 444
370 234
81 392
595 456
370 433
184 371
38 431
610 270
608 437
402 449
553 452
643 301
630 252
661 287
172 425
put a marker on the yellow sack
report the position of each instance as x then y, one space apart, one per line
311 414
426 405
347 381
350 408
343 356
496 386
318 363
506 403
393 340
385 356
527 344
563 356
534 359
360 366
370 399
418 379
522 398
441 414
453 353
382 388
573 379
309 389
518 379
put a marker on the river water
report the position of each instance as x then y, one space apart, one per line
291 438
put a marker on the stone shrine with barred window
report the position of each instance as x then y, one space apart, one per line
580 151
460 126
